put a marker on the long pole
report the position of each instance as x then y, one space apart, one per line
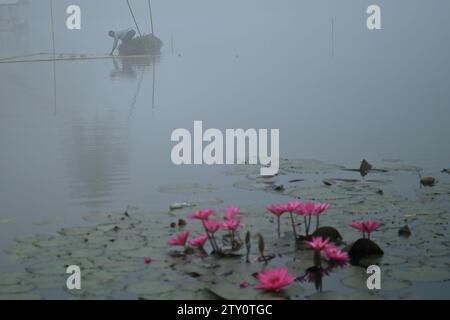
151 15
53 27
134 18
54 55
332 37
154 80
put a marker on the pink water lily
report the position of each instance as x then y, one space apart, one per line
180 240
366 226
231 225
148 260
318 243
336 254
359 225
230 213
212 225
371 225
202 214
277 210
291 207
308 209
305 208
198 242
275 279
319 208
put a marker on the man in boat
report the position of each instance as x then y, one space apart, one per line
125 37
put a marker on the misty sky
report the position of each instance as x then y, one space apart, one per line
249 25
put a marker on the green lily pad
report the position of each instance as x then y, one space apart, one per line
48 281
16 288
20 296
359 281
8 279
23 249
327 295
46 222
422 274
307 166
187 188
399 167
145 288
76 231
229 291
321 193
6 221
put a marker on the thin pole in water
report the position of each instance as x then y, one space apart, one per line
332 37
154 80
134 18
151 15
53 27
54 54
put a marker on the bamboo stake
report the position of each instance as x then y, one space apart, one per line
54 53
134 18
151 16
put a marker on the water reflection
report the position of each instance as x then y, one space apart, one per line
14 27
316 275
97 151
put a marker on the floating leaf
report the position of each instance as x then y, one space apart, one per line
423 273
187 188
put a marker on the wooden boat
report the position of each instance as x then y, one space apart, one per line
143 45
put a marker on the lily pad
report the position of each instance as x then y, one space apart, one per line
8 279
321 193
359 282
148 288
6 221
20 296
187 188
327 295
229 291
16 288
307 166
423 273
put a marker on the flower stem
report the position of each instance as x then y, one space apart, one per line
215 243
317 260
209 237
293 226
278 227
309 223
306 226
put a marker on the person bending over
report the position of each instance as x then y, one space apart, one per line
124 36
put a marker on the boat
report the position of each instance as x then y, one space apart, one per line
144 44
141 45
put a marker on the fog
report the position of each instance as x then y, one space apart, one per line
79 136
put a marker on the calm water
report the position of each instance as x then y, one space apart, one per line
99 139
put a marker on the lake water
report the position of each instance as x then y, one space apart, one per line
98 138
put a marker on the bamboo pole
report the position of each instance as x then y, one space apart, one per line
151 16
332 37
53 28
71 59
54 54
134 18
